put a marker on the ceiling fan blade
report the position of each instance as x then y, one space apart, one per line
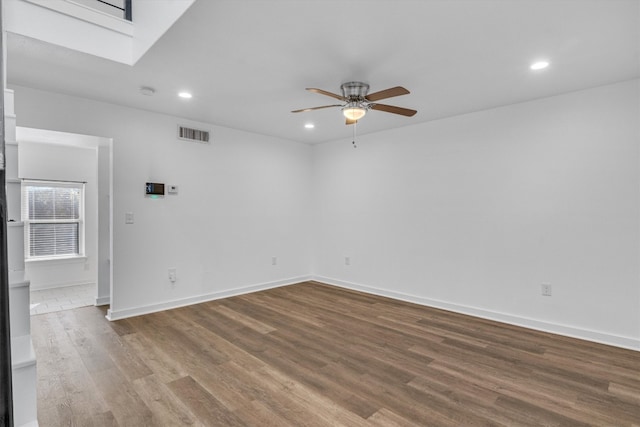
316 108
392 109
324 92
387 93
350 122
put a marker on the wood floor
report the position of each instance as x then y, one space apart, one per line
316 355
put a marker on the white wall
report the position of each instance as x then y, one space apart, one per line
475 212
470 213
243 199
57 162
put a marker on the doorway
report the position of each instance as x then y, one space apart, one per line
83 278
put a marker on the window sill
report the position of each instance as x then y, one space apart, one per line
58 260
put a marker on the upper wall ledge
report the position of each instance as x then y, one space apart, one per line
88 14
81 28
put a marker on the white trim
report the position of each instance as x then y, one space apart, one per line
63 259
102 301
17 279
61 285
9 103
87 14
629 343
23 284
22 353
153 308
27 184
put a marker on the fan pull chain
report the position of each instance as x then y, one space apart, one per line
354 134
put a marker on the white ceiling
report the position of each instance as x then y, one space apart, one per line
247 62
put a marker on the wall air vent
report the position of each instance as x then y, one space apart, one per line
194 135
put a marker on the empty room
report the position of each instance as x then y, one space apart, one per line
320 213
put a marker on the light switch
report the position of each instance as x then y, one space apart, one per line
128 218
173 189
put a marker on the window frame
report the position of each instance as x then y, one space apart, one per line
26 183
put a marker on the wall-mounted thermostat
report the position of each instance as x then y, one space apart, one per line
173 189
154 190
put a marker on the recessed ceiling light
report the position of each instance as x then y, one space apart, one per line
309 126
539 65
185 95
146 90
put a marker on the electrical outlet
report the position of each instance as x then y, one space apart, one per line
274 260
128 218
545 289
172 275
347 260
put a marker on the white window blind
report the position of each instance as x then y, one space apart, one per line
53 214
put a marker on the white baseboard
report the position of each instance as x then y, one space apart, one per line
58 285
103 301
569 331
152 308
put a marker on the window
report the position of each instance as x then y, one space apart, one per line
53 214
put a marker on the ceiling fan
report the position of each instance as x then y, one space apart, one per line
356 101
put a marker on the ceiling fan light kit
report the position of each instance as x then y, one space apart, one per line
354 112
357 101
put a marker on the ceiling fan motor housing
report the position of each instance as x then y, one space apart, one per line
354 91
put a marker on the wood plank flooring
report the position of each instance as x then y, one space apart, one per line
315 355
